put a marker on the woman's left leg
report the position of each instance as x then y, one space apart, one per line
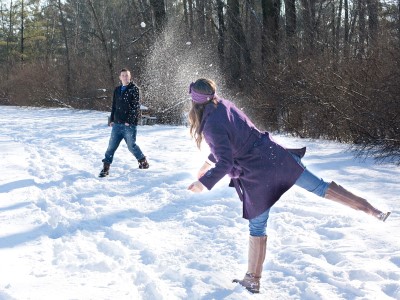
337 193
312 183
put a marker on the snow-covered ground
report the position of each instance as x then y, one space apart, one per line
139 234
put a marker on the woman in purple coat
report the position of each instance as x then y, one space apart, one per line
260 169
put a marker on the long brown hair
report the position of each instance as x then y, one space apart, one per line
202 86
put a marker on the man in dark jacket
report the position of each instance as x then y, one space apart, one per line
125 114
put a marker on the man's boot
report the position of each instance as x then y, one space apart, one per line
143 164
105 171
257 249
337 193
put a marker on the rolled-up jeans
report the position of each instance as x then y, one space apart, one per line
307 181
119 132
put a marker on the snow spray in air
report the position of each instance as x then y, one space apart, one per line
174 61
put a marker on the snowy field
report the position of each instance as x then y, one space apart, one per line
139 234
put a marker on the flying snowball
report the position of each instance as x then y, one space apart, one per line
143 24
188 43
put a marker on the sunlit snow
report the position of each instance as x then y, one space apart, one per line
139 234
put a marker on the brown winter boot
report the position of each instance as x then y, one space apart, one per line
105 171
257 249
339 194
143 164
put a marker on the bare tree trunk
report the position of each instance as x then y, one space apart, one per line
185 13
361 29
200 16
237 44
50 33
338 26
76 28
353 26
290 28
104 43
346 30
251 19
7 36
10 30
309 30
332 41
373 23
190 8
398 20
3 21
233 15
22 30
270 32
64 31
209 20
221 31
159 14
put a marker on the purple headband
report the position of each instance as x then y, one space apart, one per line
198 97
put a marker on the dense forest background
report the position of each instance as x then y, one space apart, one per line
313 68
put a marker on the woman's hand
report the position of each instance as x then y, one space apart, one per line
196 187
203 170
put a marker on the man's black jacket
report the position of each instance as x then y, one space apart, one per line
126 105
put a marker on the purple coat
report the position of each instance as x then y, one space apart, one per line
261 170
